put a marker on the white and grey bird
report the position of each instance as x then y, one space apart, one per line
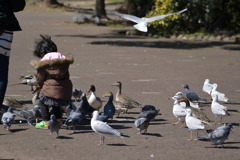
8 118
221 96
103 128
30 114
192 96
28 80
54 125
218 109
218 135
207 86
93 100
77 93
143 22
193 123
143 121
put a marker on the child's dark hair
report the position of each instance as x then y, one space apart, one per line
44 45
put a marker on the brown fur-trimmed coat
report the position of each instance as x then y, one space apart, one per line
53 77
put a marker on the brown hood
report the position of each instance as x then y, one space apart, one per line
41 64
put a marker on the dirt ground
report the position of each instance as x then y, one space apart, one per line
151 71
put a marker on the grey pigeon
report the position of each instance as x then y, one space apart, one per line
218 135
109 108
192 96
75 118
8 118
143 121
69 108
30 114
54 125
76 93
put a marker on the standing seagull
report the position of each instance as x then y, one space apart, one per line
8 118
143 22
102 128
221 96
207 86
54 125
218 109
193 123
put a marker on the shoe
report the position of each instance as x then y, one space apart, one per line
42 124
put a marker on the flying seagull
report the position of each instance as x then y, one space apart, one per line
142 22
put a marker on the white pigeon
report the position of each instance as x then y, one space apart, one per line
193 123
143 22
221 96
102 128
207 86
218 109
179 109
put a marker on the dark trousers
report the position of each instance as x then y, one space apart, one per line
4 63
46 112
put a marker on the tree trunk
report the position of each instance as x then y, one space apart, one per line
100 9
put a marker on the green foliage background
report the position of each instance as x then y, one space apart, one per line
211 16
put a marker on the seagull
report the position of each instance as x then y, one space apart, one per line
207 86
218 109
192 96
28 80
102 128
179 110
218 135
221 96
143 22
54 125
8 118
143 120
193 123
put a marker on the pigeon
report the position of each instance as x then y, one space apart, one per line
8 118
218 135
207 86
30 114
109 108
192 96
193 123
97 20
54 125
84 19
102 128
221 96
218 109
69 108
75 118
93 100
76 93
143 120
148 107
143 22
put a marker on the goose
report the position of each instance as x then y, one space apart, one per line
93 100
125 100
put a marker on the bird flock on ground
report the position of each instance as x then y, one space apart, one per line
187 108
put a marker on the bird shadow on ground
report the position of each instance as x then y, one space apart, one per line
232 110
224 147
120 121
152 134
18 130
119 127
64 137
26 102
120 144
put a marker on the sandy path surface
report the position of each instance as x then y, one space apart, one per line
151 71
